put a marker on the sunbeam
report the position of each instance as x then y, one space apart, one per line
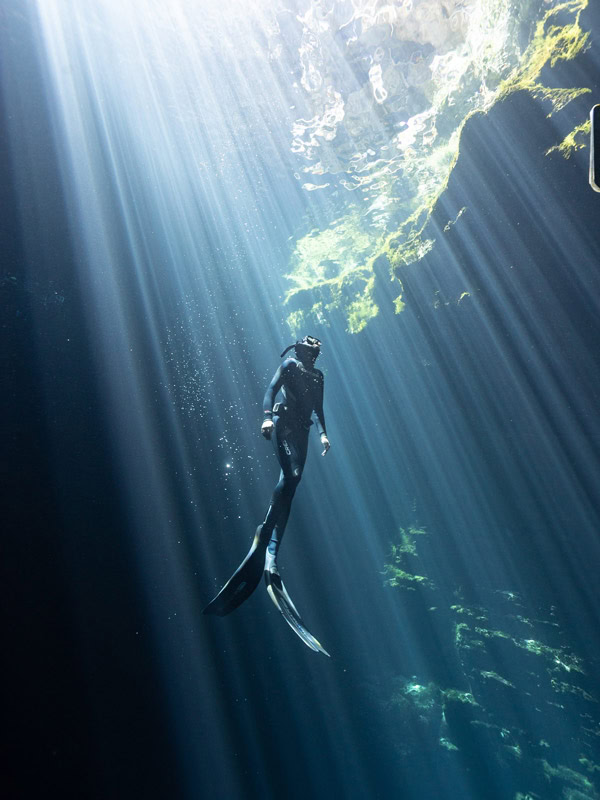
189 188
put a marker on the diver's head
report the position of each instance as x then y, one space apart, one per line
306 350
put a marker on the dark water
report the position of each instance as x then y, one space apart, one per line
475 422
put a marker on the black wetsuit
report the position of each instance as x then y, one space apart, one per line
302 390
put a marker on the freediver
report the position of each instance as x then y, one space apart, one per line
287 425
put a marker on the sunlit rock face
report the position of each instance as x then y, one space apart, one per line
385 91
516 701
388 85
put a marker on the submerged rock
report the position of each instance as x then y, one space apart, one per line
386 91
510 695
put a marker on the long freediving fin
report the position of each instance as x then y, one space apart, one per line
278 594
243 581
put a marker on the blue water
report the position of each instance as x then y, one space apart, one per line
143 318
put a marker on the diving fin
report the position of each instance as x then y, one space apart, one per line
243 581
278 594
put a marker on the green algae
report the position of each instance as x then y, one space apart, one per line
362 308
524 620
559 659
551 43
459 696
330 257
338 262
447 744
495 677
334 263
399 304
577 139
514 750
589 765
487 634
397 571
471 611
452 222
567 775
399 577
499 670
569 688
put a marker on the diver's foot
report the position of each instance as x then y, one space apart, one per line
271 563
262 535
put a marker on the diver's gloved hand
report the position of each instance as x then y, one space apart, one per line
267 428
325 443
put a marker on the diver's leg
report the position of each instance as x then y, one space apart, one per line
277 505
294 445
291 454
279 497
247 576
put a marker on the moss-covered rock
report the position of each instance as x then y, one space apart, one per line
392 144
516 682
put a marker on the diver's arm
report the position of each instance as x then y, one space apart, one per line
320 417
274 387
318 407
269 398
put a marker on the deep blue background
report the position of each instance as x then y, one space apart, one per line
93 711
